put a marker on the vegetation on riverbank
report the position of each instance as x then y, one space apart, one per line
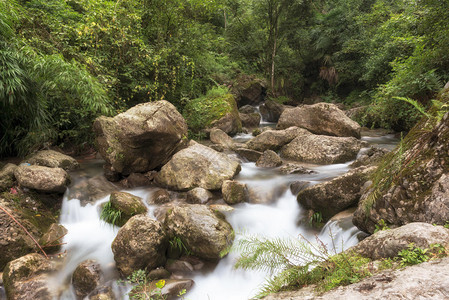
297 263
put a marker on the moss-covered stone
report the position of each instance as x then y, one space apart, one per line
128 204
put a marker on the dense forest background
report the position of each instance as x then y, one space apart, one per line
64 62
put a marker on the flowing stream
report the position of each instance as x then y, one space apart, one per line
280 216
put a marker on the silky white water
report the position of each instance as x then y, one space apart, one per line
277 216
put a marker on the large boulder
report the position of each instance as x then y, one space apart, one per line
42 179
321 149
27 278
203 231
320 118
7 177
413 185
275 139
271 111
53 159
332 197
388 243
424 281
142 138
197 166
141 243
86 278
128 204
248 154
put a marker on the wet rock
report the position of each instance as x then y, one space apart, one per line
51 241
27 278
91 190
234 192
204 232
332 197
42 179
250 120
321 149
199 196
7 177
197 166
128 204
159 273
388 243
275 139
142 138
219 137
102 293
292 168
141 243
271 111
321 119
298 186
223 208
269 159
86 278
159 196
178 266
53 159
369 157
248 154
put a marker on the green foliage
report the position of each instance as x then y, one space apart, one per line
143 290
413 255
294 263
177 243
201 112
110 214
381 225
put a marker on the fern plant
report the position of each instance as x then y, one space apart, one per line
294 263
110 214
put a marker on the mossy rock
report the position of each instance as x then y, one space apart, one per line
127 204
201 112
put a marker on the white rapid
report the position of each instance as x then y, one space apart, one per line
281 216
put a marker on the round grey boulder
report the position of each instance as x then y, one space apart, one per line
42 179
86 278
321 149
197 166
204 232
320 118
141 243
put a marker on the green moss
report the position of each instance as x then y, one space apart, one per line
201 112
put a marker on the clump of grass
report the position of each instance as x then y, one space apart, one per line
110 214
